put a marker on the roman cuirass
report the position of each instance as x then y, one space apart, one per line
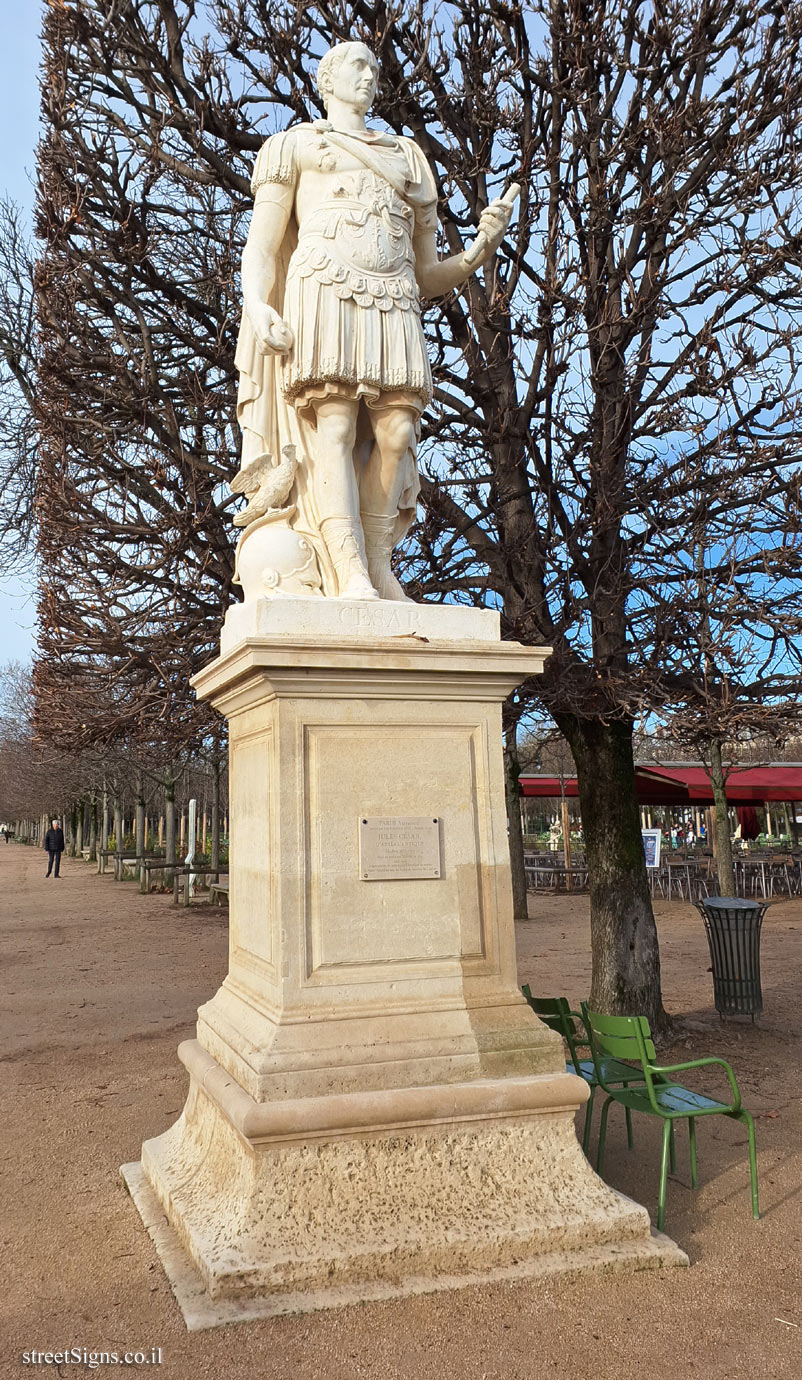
360 244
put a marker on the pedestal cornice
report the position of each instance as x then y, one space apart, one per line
387 668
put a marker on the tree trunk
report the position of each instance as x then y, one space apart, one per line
104 828
169 822
93 828
118 823
512 770
215 856
726 872
623 935
565 818
79 829
139 834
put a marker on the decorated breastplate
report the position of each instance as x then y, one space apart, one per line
360 243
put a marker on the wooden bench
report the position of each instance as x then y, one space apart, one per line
148 865
181 875
103 856
124 862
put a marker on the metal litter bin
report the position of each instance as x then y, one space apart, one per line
733 932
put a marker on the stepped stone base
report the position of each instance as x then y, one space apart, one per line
261 1209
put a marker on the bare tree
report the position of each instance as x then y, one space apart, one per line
742 654
17 368
632 376
35 778
626 367
134 399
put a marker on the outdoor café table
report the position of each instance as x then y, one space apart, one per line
540 877
680 874
753 873
782 876
688 879
554 877
760 876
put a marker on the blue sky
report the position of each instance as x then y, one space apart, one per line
19 115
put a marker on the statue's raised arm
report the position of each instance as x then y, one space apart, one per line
334 374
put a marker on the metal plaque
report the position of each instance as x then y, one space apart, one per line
399 849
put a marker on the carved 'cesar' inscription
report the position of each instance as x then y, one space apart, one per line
383 622
393 848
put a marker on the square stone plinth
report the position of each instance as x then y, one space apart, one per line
337 982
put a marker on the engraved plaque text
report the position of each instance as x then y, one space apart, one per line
395 849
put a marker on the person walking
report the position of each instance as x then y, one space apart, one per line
54 844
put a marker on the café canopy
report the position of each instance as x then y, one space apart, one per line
686 783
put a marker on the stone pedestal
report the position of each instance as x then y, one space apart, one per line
373 1109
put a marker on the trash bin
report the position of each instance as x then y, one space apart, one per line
733 932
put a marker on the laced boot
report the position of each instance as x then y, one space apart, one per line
379 545
344 544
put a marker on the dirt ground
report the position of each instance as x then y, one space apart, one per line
101 984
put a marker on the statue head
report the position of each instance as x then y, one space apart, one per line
350 73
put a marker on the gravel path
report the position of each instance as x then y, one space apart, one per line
100 984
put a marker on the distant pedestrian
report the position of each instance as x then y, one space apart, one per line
5 833
54 844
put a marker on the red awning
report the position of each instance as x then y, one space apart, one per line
684 784
548 786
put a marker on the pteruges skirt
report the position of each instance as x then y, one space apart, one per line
352 344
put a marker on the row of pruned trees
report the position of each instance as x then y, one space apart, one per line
132 795
612 457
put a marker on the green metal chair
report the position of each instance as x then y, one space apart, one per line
556 1013
629 1037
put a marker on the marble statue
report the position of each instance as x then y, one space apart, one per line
334 374
374 1110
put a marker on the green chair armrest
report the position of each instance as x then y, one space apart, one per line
700 1064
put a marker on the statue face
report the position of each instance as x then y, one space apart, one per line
354 81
